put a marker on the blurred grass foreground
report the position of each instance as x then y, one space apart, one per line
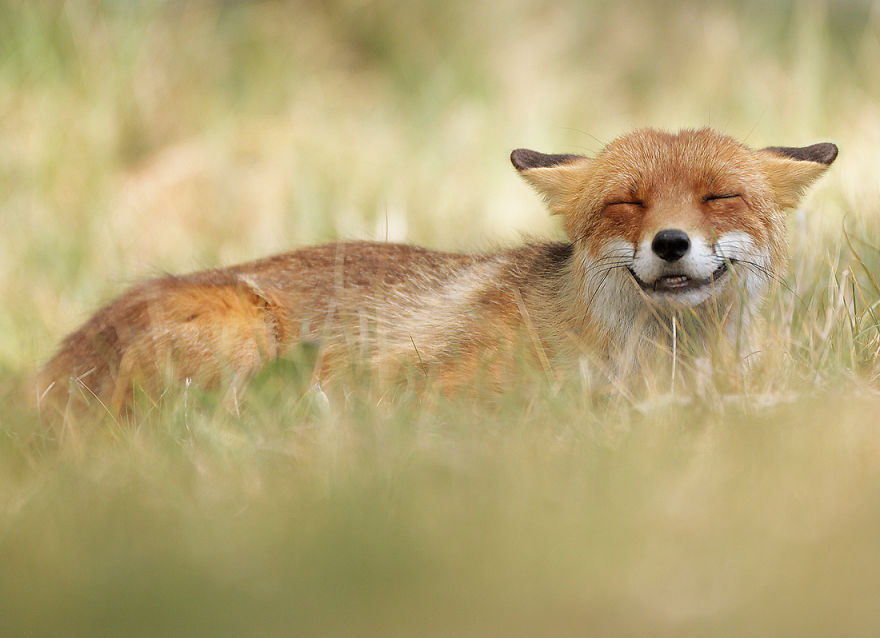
147 136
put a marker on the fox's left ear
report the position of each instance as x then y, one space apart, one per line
791 170
558 178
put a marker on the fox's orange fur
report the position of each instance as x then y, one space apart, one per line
658 224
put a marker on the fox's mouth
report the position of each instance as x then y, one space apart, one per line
682 283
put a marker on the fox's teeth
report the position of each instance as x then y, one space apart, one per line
677 283
671 281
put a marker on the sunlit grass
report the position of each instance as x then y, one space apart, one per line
140 137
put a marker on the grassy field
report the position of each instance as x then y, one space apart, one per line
147 136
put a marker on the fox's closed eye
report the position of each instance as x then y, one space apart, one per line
711 198
634 202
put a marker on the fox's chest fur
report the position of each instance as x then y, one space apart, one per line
661 227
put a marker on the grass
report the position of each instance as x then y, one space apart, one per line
142 137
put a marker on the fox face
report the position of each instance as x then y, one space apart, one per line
673 221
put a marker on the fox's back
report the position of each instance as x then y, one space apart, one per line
388 301
367 299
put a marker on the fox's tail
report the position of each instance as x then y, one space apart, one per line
206 328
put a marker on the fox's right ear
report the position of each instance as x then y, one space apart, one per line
558 178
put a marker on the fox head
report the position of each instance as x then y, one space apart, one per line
675 220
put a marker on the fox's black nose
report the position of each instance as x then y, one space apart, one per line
671 244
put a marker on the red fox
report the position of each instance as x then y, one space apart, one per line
657 224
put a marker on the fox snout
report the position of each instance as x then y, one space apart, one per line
687 269
671 244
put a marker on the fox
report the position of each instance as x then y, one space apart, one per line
658 225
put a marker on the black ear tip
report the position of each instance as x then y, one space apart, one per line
519 157
826 152
821 153
524 159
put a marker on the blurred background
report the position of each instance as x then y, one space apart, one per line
147 136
